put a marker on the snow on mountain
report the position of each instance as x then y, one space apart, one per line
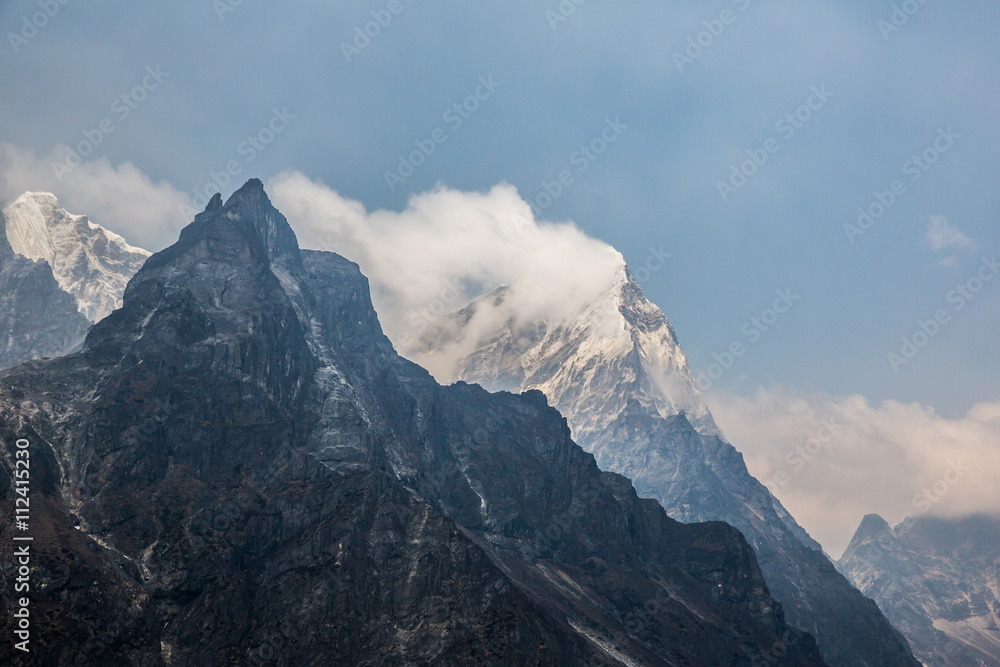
615 370
37 318
88 261
618 348
938 580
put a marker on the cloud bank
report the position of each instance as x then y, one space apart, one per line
831 460
123 199
447 248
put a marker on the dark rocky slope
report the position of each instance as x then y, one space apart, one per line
238 469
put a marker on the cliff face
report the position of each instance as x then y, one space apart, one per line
238 469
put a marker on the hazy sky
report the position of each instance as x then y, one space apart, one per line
642 124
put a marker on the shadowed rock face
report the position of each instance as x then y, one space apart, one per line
238 469
37 318
938 580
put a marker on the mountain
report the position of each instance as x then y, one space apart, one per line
88 261
239 469
615 370
938 580
37 318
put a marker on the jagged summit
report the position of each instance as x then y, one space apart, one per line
873 529
874 524
246 222
214 204
88 261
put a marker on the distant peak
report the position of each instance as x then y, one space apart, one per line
873 523
5 247
873 528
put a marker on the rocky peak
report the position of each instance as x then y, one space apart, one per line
873 527
5 247
247 228
251 203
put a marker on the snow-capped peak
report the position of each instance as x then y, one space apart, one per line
615 349
88 261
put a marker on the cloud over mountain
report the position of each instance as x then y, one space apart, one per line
123 198
448 247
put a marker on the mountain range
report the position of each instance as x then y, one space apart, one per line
237 468
88 261
614 369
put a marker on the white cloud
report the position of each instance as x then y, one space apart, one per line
940 235
446 248
877 459
121 198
